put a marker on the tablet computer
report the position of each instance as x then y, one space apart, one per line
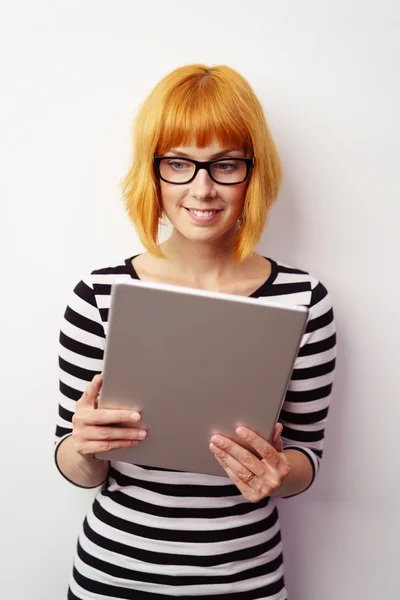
194 363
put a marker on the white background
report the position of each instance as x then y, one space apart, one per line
73 74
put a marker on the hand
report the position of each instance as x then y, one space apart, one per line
93 429
255 477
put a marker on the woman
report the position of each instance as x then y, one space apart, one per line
204 157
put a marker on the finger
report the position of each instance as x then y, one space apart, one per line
92 448
241 485
277 433
277 440
89 397
238 469
114 433
108 416
265 450
238 453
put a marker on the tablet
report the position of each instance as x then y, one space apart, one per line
194 363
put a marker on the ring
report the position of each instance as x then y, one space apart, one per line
248 477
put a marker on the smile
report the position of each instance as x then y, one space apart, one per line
203 214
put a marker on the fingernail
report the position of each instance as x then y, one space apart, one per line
241 431
135 416
216 440
142 434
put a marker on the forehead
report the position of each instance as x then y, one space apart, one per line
213 149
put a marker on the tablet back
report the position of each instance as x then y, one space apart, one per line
194 363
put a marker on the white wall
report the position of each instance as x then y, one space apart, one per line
72 74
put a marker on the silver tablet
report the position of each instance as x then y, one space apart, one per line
195 363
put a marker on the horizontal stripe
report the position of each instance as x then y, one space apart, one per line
145 523
319 322
317 347
124 593
182 536
69 392
288 269
65 414
307 385
61 431
313 372
83 322
115 270
102 289
85 362
183 512
212 491
319 292
166 558
285 289
187 571
303 418
160 579
179 520
82 349
104 312
309 395
75 371
302 436
85 292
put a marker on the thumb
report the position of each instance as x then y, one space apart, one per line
89 398
277 440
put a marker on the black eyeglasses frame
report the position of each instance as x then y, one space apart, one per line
203 165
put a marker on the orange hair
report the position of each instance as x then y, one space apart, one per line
201 102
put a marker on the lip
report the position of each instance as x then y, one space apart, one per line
202 220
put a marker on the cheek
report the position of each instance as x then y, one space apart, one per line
170 197
236 201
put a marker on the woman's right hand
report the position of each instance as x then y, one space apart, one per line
93 429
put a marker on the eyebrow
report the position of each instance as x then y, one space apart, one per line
216 155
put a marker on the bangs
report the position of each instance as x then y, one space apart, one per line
202 113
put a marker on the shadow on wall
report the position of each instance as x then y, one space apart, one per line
286 239
282 236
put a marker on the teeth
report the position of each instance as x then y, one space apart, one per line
204 213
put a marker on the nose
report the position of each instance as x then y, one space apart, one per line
202 185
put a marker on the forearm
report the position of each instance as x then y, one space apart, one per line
300 476
80 471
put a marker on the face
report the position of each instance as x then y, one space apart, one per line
204 211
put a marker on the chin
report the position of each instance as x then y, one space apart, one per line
206 236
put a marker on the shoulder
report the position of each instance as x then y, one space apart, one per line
98 281
308 289
114 270
106 275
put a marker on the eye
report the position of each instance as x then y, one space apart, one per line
226 166
178 165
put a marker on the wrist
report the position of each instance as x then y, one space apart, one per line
92 466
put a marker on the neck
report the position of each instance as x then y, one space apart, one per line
204 265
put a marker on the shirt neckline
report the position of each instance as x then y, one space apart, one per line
260 291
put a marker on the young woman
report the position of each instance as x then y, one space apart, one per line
204 157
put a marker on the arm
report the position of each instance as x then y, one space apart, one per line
81 352
288 465
300 475
83 472
305 410
83 429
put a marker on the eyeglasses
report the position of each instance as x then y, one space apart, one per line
226 171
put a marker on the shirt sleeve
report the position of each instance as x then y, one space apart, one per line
305 409
81 353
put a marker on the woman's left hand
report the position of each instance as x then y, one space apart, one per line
255 477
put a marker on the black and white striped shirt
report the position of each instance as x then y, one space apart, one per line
153 534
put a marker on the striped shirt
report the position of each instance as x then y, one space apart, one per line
154 534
